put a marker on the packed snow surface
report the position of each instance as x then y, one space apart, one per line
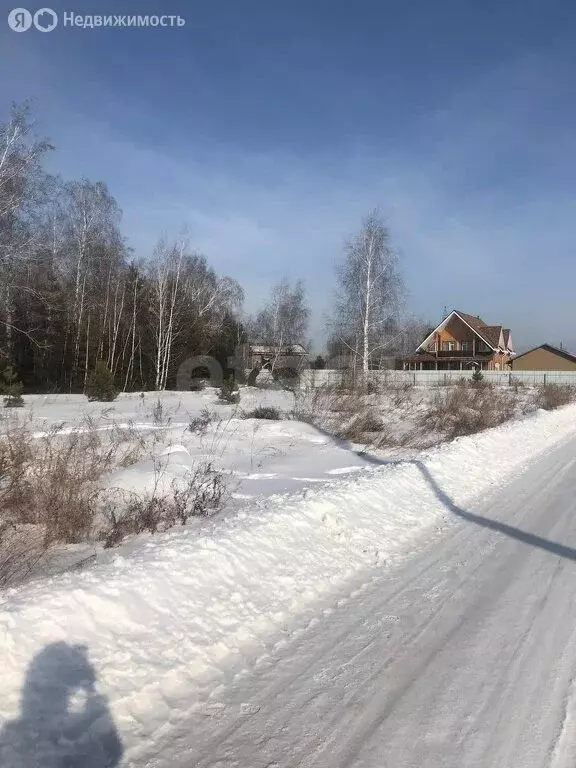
159 630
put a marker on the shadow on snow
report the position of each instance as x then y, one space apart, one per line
64 722
508 530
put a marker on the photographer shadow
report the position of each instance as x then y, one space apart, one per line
64 722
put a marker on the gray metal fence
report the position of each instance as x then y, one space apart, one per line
439 378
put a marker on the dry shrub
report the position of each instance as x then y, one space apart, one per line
346 382
49 488
229 392
331 398
157 413
551 396
263 412
131 444
361 426
466 409
318 404
21 549
401 395
47 495
198 425
310 402
348 412
51 481
201 494
477 384
51 491
356 382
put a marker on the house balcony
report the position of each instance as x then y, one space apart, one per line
457 353
460 353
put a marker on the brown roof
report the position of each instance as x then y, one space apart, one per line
492 333
556 350
473 321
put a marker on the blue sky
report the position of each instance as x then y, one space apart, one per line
269 129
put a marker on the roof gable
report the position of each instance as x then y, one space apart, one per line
509 344
475 323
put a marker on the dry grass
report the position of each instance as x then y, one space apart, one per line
466 409
229 392
402 394
361 426
200 494
51 482
350 413
199 425
317 404
551 396
48 494
21 550
443 414
263 412
51 491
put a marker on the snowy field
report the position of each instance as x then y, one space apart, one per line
261 457
166 622
160 439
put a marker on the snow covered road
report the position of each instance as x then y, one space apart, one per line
465 657
417 613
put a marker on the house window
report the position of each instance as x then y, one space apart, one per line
466 346
448 346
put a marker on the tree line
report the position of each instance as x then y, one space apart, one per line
73 293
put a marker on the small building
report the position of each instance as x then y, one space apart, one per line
545 358
463 342
259 355
285 362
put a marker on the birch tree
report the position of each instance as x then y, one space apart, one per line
72 293
165 270
91 266
411 333
368 293
21 184
208 296
284 320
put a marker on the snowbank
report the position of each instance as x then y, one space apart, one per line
164 621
